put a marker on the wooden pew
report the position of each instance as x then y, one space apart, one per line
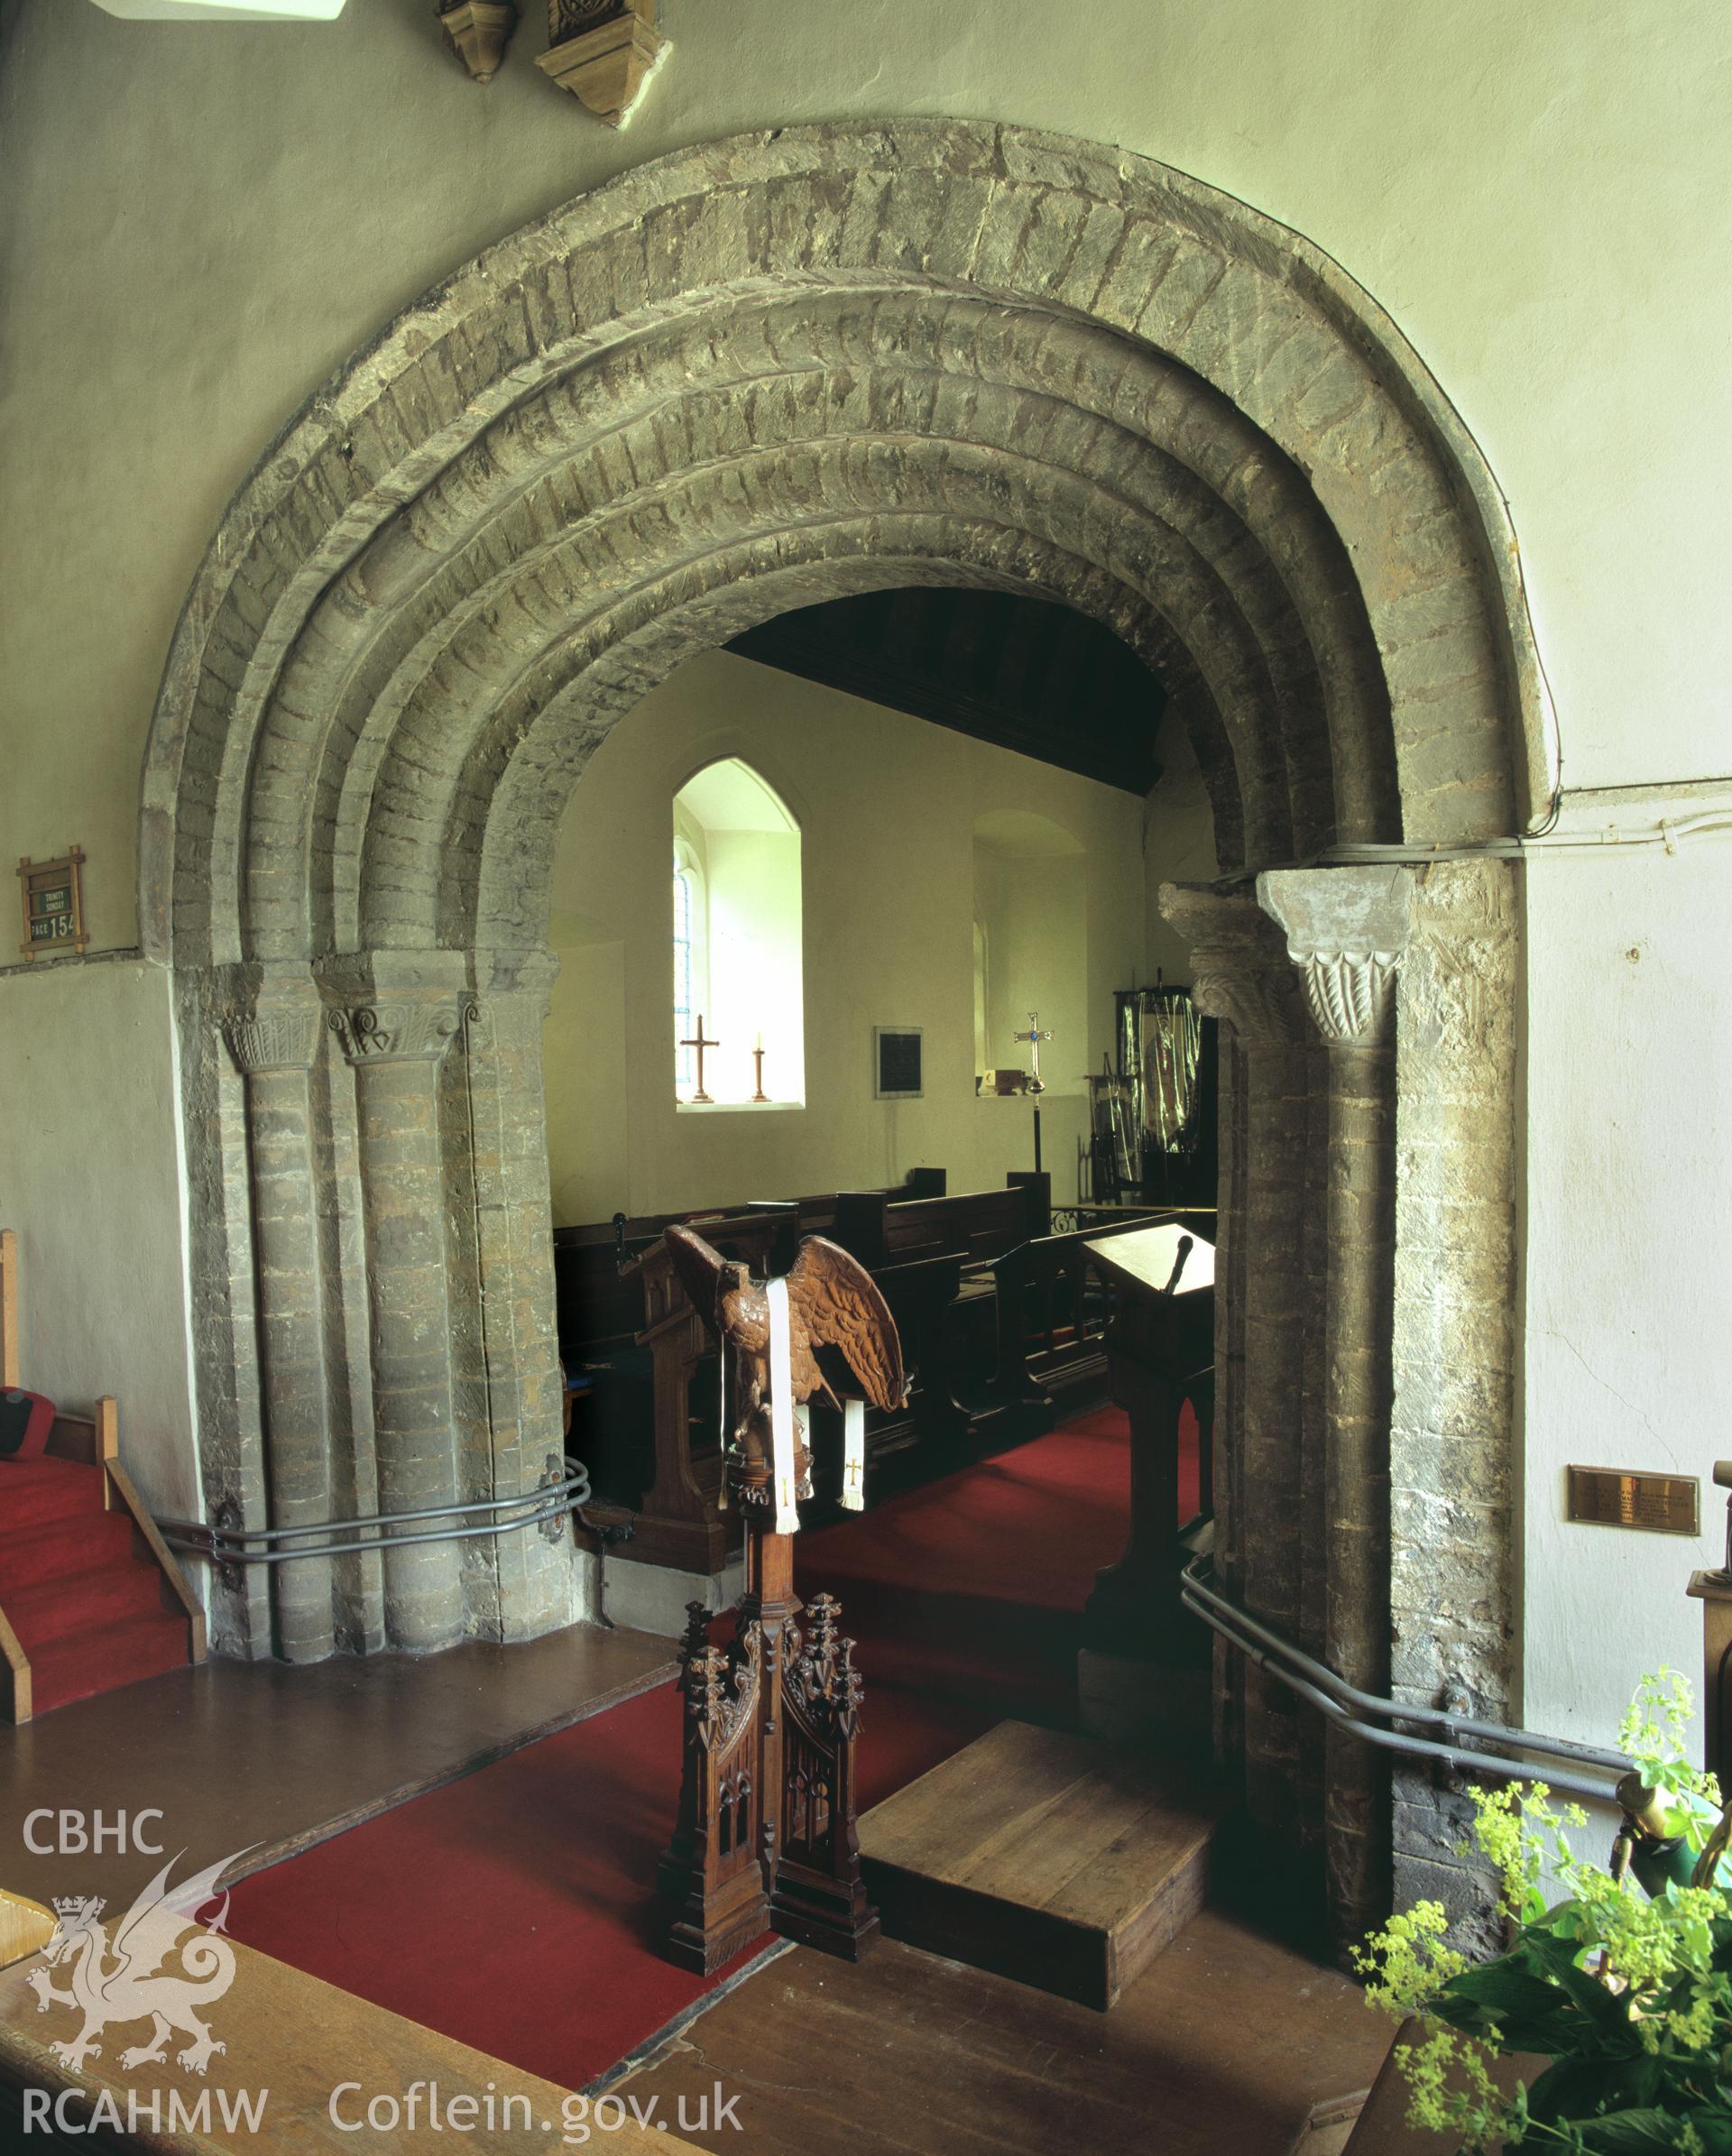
624 1323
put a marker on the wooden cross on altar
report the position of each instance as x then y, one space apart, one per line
1034 1036
700 1098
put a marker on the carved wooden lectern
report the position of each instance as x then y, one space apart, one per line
765 1838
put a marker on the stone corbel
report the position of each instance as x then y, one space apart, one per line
1239 971
1348 932
602 51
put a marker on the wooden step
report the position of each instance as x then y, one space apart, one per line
1049 1857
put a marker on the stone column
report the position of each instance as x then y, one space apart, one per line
1269 1304
395 1015
1452 1467
1348 930
505 1340
274 1036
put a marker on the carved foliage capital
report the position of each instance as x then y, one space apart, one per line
1239 971
400 1029
1348 930
269 1017
1348 995
272 1040
1260 1004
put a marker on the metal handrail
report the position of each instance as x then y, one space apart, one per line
223 1545
1334 1697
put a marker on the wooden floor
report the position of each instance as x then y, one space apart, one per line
258 1753
1220 2047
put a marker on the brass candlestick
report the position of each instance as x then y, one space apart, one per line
758 1074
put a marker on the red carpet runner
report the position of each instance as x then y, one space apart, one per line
515 1910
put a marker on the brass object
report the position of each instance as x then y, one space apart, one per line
479 31
1620 1497
602 52
758 1093
53 904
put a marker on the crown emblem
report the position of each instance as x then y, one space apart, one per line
72 1905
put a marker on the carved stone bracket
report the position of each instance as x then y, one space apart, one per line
1347 931
601 51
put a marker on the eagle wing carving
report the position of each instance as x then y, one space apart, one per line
834 1301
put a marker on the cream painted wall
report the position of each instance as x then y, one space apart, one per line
887 806
90 1179
201 223
1036 913
1629 1242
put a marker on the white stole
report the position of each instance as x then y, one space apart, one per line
854 1455
781 1409
722 1387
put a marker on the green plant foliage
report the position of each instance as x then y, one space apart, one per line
1629 1997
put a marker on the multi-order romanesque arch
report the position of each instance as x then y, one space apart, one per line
745 378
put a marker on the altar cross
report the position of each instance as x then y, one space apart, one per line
700 1098
1034 1036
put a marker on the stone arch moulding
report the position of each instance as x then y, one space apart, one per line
744 378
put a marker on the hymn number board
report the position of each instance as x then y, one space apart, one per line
53 904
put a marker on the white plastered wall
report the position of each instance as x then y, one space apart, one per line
90 1180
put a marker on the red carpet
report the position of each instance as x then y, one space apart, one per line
88 1613
971 1588
515 1910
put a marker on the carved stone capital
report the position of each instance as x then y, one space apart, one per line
270 1018
1239 971
1347 931
400 1029
273 1040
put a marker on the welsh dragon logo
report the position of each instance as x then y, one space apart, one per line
118 1976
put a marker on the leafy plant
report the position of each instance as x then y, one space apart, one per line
1629 1994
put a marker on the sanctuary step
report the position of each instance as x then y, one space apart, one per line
1041 1856
89 1609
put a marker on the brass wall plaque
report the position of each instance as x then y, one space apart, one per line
1619 1497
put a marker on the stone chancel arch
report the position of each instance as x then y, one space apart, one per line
751 377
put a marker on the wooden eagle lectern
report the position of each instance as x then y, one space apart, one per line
765 1834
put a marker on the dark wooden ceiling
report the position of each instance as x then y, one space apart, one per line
1022 673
